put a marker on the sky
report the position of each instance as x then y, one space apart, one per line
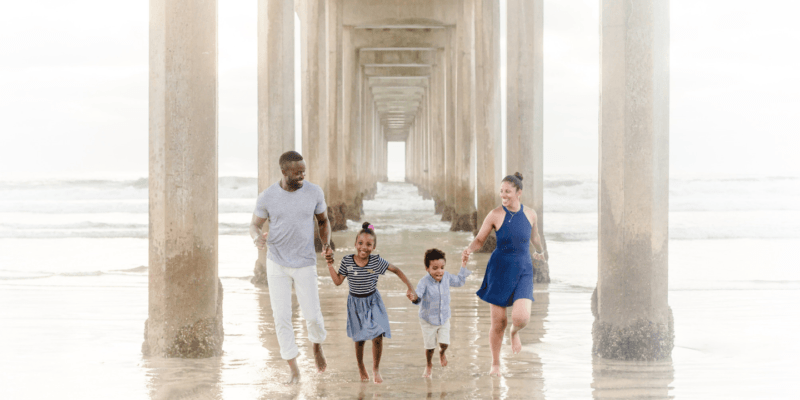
74 88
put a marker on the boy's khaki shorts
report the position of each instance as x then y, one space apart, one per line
430 333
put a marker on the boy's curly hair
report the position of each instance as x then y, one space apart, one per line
433 254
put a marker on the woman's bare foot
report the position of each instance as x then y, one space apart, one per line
428 371
516 343
319 358
442 358
495 370
377 376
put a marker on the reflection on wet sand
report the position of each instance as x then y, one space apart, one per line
403 363
615 379
175 378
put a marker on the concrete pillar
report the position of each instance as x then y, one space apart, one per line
336 169
351 140
184 291
314 73
437 132
275 98
450 131
463 219
632 317
524 139
487 116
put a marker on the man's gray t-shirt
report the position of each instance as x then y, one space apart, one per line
291 223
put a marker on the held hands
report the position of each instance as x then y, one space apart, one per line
328 251
261 241
538 256
465 256
411 295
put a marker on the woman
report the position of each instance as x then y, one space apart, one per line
508 281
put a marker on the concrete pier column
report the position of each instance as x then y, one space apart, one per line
351 140
487 116
463 219
275 98
524 139
450 130
184 291
335 169
632 317
437 133
314 73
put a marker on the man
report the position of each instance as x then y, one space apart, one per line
292 207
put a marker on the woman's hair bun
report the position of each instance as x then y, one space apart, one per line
518 175
365 225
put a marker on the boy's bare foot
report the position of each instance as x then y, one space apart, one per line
495 370
428 371
377 376
294 377
442 358
516 343
319 358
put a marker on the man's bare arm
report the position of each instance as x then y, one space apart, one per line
325 234
259 232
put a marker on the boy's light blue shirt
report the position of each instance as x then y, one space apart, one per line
435 296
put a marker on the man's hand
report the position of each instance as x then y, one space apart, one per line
261 241
328 253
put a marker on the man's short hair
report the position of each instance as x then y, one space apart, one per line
289 156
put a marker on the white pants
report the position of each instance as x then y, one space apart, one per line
280 280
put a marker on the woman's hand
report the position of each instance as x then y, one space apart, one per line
538 256
465 256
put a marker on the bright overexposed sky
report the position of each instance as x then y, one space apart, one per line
74 88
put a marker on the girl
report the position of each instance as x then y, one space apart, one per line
366 314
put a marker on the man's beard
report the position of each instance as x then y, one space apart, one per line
295 184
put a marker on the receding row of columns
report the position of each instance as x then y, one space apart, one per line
434 85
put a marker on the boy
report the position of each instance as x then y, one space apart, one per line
433 296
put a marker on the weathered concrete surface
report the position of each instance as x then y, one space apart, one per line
633 317
184 294
465 122
487 109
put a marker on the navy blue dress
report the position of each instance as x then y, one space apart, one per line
509 273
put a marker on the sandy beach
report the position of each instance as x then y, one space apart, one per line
76 306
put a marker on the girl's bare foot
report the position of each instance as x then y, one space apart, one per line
516 343
442 359
428 371
363 372
377 376
495 370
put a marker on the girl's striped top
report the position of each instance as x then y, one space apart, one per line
363 280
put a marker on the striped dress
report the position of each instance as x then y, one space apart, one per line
366 314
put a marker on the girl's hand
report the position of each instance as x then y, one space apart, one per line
411 295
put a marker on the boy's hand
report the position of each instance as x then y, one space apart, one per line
411 295
465 256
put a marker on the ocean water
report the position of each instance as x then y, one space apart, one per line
73 285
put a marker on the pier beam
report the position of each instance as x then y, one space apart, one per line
184 291
524 139
633 320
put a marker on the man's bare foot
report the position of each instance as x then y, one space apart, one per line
377 376
319 358
516 343
428 371
295 372
442 358
495 370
